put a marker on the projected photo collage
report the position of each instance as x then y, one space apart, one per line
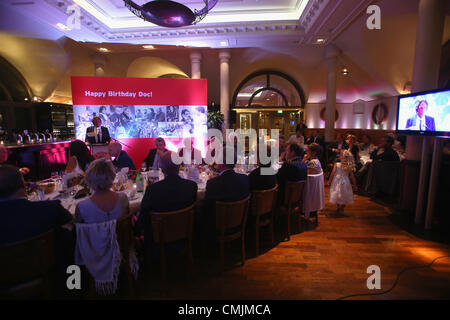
143 121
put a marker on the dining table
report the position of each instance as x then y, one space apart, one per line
68 200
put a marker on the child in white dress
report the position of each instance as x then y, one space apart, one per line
341 192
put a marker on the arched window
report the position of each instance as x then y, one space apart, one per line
269 99
268 89
13 86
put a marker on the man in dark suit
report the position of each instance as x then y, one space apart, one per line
153 156
172 193
228 186
262 182
314 138
384 152
294 169
122 159
23 219
420 121
97 133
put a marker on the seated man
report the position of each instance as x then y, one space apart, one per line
262 182
122 159
172 193
314 138
385 152
152 159
97 133
196 155
297 138
4 158
294 169
23 219
228 186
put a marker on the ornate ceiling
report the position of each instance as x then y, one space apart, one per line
231 23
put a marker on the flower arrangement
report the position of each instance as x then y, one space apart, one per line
215 120
30 187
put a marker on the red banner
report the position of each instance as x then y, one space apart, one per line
138 91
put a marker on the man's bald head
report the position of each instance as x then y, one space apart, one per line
167 165
114 149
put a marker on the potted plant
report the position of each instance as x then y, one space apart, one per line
215 120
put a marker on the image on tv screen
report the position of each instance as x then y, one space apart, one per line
424 112
143 121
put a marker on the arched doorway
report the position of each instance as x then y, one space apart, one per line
269 99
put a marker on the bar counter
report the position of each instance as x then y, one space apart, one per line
41 158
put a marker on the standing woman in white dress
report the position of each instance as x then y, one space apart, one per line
341 190
80 157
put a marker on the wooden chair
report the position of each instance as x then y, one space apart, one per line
263 202
170 227
125 239
25 267
292 202
231 215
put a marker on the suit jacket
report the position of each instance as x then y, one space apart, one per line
172 193
429 123
294 170
228 186
388 155
22 219
105 135
317 140
123 160
261 182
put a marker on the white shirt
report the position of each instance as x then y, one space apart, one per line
98 134
297 140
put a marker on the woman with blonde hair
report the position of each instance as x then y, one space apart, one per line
104 204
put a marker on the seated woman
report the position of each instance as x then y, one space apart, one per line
80 157
105 204
311 159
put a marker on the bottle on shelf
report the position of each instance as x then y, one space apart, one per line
27 136
139 182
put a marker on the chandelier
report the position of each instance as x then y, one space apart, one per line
171 14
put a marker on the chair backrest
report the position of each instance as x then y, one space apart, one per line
173 225
294 191
124 231
31 258
231 214
263 201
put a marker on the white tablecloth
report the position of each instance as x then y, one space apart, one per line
314 194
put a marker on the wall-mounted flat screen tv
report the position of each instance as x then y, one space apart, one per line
426 113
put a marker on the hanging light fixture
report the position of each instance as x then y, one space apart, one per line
171 14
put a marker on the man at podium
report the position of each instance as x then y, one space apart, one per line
97 134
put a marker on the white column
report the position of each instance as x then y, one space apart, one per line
430 28
332 53
224 57
196 59
99 63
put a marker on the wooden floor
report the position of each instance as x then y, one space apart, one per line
327 262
